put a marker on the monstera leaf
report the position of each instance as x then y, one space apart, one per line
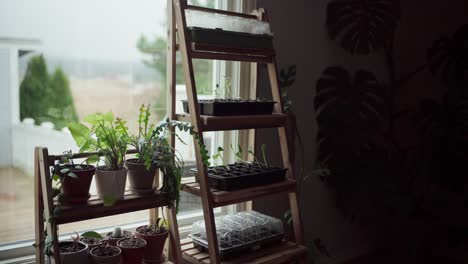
350 111
448 58
444 148
362 26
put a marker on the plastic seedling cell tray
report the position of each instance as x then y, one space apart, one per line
242 175
244 231
230 38
230 107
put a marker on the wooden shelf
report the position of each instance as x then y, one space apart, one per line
218 52
219 123
95 207
282 253
222 198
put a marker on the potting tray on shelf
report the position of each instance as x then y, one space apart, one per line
230 38
232 107
244 231
242 175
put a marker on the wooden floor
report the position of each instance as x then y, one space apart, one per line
17 210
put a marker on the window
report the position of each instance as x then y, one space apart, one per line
99 56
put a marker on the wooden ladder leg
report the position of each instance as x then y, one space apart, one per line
175 251
38 210
206 197
48 203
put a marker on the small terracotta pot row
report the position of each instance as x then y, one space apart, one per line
109 183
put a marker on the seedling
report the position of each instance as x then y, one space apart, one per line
263 147
238 153
219 155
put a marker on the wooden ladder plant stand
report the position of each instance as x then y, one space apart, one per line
287 251
94 208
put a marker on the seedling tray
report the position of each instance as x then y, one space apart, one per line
230 38
229 107
242 175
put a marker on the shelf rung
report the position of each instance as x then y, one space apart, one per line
220 123
230 57
281 253
219 11
222 198
95 207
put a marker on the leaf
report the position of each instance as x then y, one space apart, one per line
79 132
73 175
55 192
220 149
362 26
55 177
109 200
93 159
92 234
63 171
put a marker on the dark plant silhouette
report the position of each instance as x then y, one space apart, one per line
363 26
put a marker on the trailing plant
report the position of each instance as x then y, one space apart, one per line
60 170
106 135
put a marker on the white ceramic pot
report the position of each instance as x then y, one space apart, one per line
111 183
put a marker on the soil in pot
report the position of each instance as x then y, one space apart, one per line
112 240
91 242
73 253
132 249
140 178
76 191
111 183
106 255
155 239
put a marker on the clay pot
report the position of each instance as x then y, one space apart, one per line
132 254
76 191
78 257
113 240
141 180
155 245
97 259
111 183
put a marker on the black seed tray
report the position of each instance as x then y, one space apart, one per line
230 38
242 175
227 252
220 107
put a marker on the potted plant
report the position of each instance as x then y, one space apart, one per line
106 135
74 180
92 239
155 236
105 254
225 105
116 235
73 251
132 249
143 169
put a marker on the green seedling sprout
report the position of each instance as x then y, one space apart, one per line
219 155
263 147
227 87
238 153
251 152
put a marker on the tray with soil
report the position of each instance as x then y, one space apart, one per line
242 175
220 37
244 231
230 107
105 254
132 249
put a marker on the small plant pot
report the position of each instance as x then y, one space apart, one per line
155 244
113 240
111 183
91 242
68 256
106 255
230 107
76 191
133 249
141 180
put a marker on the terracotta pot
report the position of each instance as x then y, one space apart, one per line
141 180
76 191
155 245
111 183
105 259
113 240
79 257
132 255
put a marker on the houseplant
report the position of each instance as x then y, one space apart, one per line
73 251
74 180
92 239
143 169
116 235
132 249
106 135
105 254
155 236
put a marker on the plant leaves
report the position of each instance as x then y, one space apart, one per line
92 234
93 159
362 26
109 200
63 171
79 132
73 175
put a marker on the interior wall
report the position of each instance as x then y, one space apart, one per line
301 39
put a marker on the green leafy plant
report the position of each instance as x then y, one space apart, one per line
237 153
160 226
62 169
263 163
107 135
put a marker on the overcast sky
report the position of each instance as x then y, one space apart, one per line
85 29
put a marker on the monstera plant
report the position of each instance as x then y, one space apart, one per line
358 114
